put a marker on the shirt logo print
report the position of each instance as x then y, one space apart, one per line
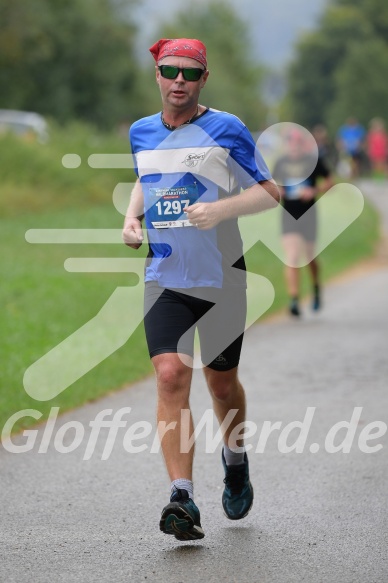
192 160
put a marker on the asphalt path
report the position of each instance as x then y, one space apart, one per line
319 516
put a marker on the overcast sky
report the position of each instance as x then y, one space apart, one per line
274 24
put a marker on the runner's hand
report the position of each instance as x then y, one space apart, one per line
132 233
307 193
203 215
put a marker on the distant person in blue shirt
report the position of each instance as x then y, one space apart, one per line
350 142
198 170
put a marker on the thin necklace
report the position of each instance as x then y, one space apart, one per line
172 128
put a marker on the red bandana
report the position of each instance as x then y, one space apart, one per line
179 47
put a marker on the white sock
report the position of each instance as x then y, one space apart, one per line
233 458
183 484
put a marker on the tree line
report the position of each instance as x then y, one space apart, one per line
76 59
340 68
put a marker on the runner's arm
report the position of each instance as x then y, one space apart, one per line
132 231
258 198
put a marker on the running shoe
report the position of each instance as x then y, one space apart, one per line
294 307
237 498
181 517
316 303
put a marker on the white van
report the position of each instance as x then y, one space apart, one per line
27 124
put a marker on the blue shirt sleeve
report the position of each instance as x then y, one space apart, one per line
133 154
249 166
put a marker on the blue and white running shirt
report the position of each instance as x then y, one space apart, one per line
211 158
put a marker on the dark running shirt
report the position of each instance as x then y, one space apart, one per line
298 173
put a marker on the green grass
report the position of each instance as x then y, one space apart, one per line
34 180
42 303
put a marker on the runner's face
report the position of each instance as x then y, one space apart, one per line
296 147
179 93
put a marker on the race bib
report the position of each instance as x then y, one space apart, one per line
167 206
294 191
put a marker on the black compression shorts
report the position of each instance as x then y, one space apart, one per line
172 315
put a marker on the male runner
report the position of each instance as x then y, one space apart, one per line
192 162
